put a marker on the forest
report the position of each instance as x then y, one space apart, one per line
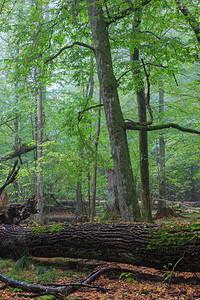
99 159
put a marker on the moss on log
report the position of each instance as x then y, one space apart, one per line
136 244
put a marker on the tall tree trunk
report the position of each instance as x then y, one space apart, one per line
17 139
39 175
16 122
113 201
162 180
134 244
89 194
129 208
144 161
143 138
94 189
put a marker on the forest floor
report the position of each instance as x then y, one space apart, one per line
146 283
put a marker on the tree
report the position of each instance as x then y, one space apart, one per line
39 124
165 50
143 139
128 203
162 179
94 186
190 17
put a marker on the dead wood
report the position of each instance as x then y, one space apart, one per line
18 152
62 289
15 213
147 245
166 212
68 219
110 272
11 176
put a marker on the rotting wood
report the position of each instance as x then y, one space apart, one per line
15 213
147 245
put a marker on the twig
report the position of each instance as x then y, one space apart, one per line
89 108
172 272
175 79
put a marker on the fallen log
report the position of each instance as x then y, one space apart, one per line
15 212
68 219
136 244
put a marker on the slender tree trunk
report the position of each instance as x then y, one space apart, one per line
79 203
144 161
162 180
143 138
89 194
16 122
39 175
129 208
17 139
95 163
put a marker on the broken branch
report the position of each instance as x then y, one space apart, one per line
67 47
130 125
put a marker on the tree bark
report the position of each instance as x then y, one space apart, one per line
16 213
143 138
112 201
39 178
136 244
162 179
94 185
18 152
79 203
129 208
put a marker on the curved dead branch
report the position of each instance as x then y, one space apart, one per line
67 47
130 125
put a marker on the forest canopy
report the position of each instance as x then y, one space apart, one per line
92 86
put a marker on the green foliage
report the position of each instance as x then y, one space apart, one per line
31 33
127 277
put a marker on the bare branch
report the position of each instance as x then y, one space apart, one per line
124 13
18 152
148 94
124 75
9 120
190 18
175 79
2 6
130 125
67 47
106 6
89 108
11 177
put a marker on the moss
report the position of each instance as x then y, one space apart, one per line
48 297
172 237
50 229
